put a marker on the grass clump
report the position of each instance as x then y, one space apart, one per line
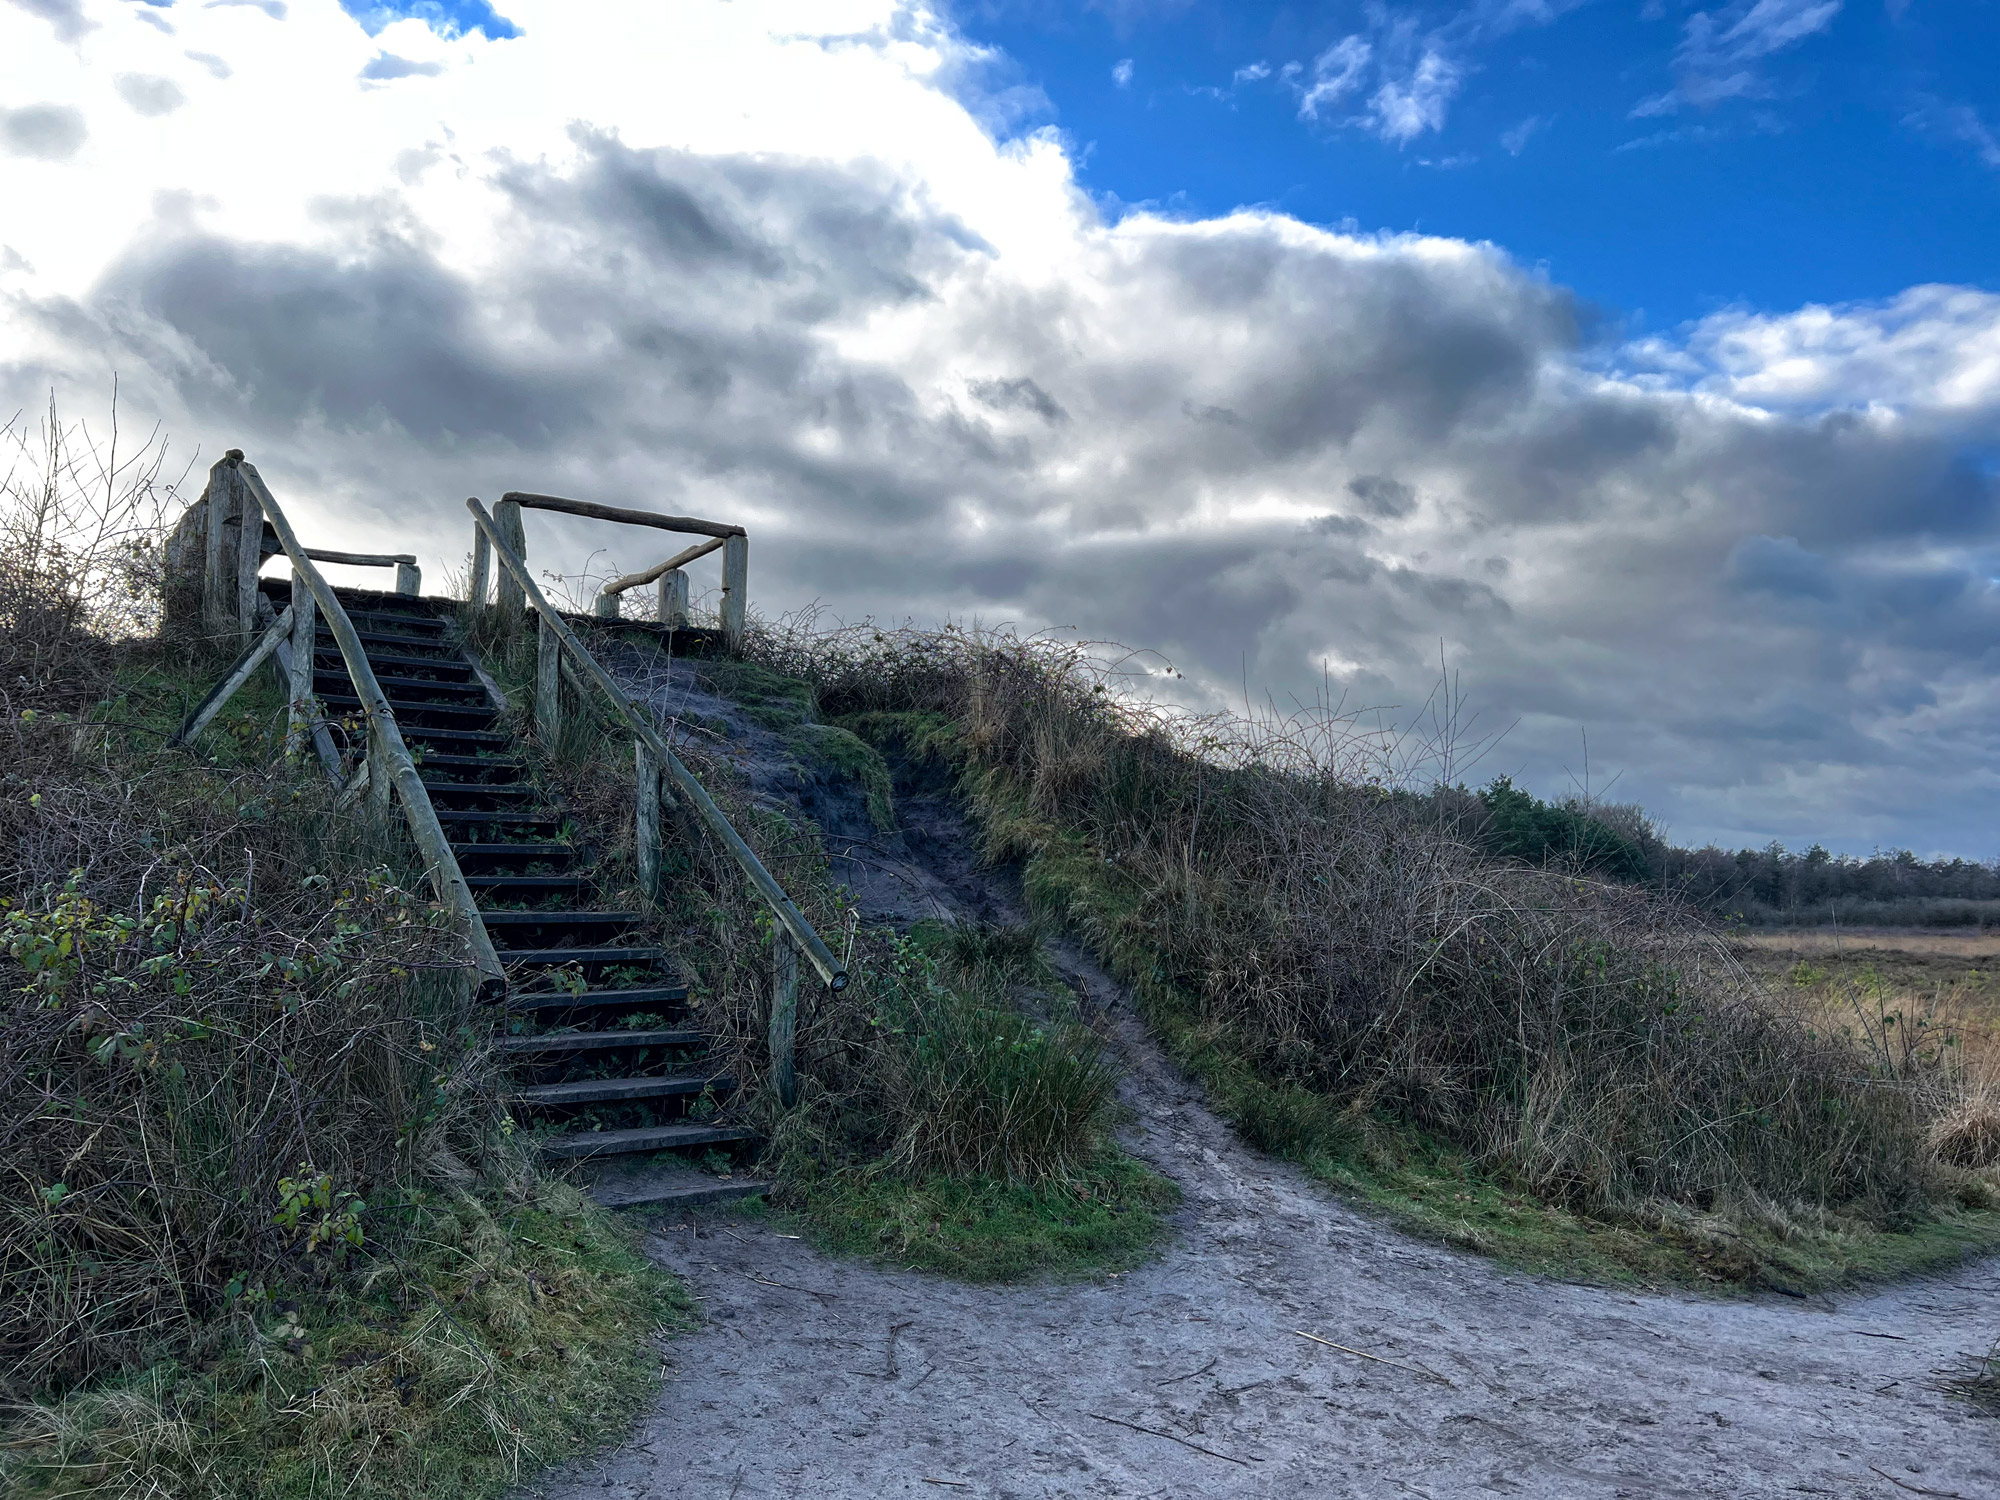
1365 988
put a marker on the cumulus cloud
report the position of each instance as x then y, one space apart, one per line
934 380
1121 73
46 132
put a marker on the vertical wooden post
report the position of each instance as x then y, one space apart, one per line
409 579
249 556
482 565
605 606
507 590
380 775
548 684
305 632
735 591
647 842
784 1014
219 498
674 599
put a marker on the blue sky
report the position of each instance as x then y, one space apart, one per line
1661 158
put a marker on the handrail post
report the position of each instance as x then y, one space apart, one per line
784 1015
249 557
409 579
507 590
220 494
674 599
482 566
646 828
305 636
380 779
605 606
548 684
735 588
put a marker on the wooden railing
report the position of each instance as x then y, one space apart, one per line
732 541
661 775
235 486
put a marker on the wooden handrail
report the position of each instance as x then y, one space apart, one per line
660 570
389 756
788 914
596 512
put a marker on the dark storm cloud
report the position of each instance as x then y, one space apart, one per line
1271 454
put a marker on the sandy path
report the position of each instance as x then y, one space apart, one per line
827 1378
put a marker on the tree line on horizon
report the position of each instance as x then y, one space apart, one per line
1771 886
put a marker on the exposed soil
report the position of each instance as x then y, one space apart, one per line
821 1377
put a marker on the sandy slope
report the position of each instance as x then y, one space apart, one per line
1188 1377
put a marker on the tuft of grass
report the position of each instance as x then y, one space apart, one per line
847 754
1109 1218
504 1335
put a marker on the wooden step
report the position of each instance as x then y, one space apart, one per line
615 1090
405 685
675 1193
596 958
544 1005
502 791
503 918
459 669
472 716
488 817
581 1144
570 1043
394 640
494 764
488 855
475 739
528 887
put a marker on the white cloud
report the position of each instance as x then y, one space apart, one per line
1403 109
1514 139
1255 72
1121 73
759 261
1336 73
150 94
1719 52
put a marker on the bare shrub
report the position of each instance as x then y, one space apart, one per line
81 531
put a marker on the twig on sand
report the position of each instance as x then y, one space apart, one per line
785 1286
1916 1489
1378 1358
1177 1379
1172 1437
957 1484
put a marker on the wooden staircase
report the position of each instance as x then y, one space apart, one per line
605 1065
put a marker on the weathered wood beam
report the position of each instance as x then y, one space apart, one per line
595 512
246 665
678 560
735 593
